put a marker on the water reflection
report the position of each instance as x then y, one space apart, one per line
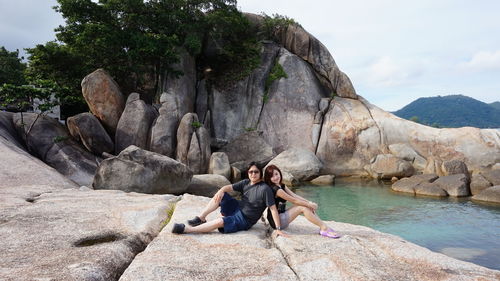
456 227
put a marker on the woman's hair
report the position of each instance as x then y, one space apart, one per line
268 174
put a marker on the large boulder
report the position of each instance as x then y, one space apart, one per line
454 167
219 165
135 122
163 138
355 131
193 144
349 138
104 98
301 43
19 168
406 152
181 87
430 189
386 166
492 176
248 147
301 163
455 185
187 127
296 98
478 184
86 128
408 185
236 108
76 234
8 130
138 170
46 138
206 184
491 194
198 157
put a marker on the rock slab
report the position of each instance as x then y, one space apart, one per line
77 234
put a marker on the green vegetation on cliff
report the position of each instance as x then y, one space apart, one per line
451 111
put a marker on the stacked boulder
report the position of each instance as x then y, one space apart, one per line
455 182
485 186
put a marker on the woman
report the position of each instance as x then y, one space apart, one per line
273 177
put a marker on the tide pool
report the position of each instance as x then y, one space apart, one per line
455 227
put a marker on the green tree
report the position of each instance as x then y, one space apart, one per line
137 41
415 119
11 67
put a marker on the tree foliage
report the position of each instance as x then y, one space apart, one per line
11 67
137 41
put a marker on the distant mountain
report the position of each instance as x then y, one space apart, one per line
452 111
495 104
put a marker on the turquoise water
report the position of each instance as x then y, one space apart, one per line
455 227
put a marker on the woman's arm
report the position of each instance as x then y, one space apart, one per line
277 222
296 200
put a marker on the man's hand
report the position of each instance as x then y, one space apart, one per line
218 196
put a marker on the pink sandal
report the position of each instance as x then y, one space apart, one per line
330 233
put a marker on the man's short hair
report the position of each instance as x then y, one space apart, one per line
253 163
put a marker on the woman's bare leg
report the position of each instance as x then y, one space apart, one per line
294 211
205 227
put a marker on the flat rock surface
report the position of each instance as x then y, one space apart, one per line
75 234
245 255
361 254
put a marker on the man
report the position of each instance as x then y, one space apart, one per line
237 215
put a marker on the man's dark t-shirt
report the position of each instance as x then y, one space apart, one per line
254 199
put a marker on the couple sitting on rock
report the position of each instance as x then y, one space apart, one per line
256 196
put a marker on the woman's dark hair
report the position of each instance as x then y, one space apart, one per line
268 174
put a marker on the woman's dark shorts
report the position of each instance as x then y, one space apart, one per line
233 217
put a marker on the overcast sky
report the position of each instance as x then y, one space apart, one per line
394 51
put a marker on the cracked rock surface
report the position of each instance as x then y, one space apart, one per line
361 254
72 234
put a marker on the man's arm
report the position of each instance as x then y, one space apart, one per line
220 193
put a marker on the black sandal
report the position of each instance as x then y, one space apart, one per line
178 228
196 221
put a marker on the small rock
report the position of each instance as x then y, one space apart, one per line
206 185
324 180
478 184
219 165
491 194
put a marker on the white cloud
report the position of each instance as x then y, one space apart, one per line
387 71
482 61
